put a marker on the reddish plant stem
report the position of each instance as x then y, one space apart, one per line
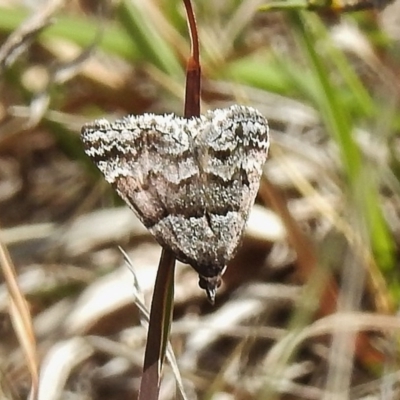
193 69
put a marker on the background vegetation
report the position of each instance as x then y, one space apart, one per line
308 306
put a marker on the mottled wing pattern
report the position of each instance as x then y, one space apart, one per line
148 160
230 153
191 182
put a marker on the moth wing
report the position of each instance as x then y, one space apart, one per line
233 149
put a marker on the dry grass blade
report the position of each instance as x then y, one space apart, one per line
58 365
59 75
344 322
19 40
21 319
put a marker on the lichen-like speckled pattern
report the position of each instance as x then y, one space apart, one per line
192 182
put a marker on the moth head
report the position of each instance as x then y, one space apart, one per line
210 285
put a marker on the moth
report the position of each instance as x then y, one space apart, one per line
191 181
